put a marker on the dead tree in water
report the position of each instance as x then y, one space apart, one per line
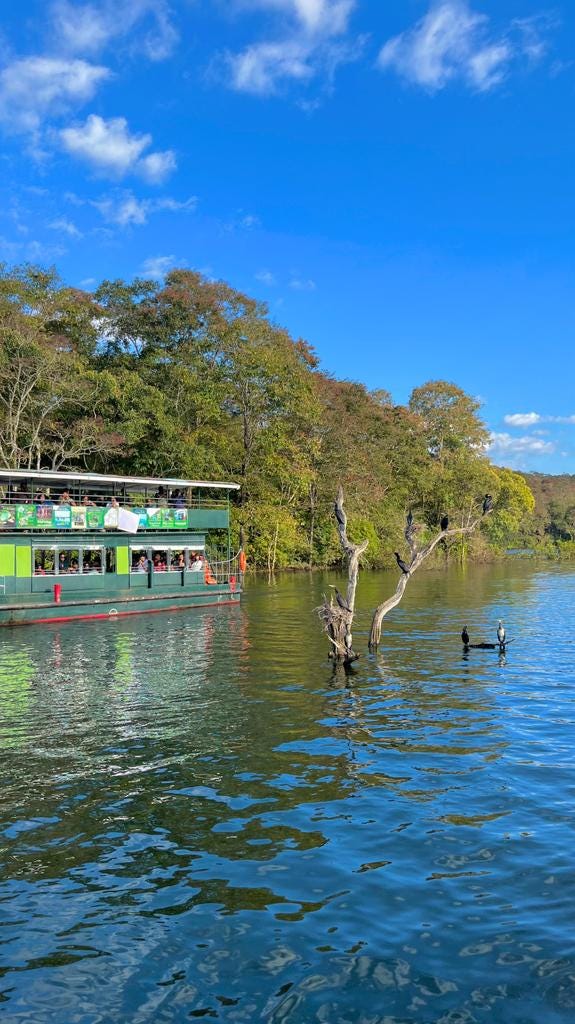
417 558
337 617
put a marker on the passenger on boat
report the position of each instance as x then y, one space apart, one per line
179 562
160 497
41 499
178 500
196 564
87 501
65 499
159 565
113 503
141 564
63 562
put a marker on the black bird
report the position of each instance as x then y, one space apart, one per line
339 515
465 637
487 504
444 523
404 568
409 519
341 600
501 633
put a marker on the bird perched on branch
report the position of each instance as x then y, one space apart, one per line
402 565
339 514
501 633
340 600
409 520
444 523
487 504
465 637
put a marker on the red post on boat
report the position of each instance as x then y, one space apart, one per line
232 583
57 593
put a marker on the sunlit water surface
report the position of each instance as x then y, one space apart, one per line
201 820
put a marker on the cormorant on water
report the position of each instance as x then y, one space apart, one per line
501 632
404 568
465 637
340 600
444 523
487 504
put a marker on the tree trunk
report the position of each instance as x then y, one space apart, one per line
338 617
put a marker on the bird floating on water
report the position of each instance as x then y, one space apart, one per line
465 636
444 523
340 600
487 504
501 633
402 565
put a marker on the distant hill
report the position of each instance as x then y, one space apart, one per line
554 514
547 488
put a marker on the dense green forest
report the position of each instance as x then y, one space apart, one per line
192 378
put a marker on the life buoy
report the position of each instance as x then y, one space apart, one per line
242 561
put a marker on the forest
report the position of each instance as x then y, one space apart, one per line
192 378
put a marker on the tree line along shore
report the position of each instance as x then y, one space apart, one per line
191 378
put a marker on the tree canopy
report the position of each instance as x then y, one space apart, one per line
191 377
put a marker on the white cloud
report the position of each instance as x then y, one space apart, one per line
266 277
326 16
65 226
505 444
111 150
125 209
33 250
300 284
529 419
311 45
156 267
452 42
90 27
522 419
33 87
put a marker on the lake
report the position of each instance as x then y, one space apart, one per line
200 819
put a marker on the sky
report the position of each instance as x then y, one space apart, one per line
394 178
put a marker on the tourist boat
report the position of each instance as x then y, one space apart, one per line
87 546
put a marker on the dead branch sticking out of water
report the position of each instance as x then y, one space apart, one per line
337 616
417 559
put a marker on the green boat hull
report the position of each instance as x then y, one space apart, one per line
30 610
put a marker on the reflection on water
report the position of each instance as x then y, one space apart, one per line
201 818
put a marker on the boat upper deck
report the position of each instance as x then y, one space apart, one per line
48 502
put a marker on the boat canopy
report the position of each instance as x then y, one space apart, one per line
48 477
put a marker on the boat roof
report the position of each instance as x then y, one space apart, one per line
50 476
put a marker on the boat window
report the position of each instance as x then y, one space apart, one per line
92 560
110 560
44 561
178 560
160 559
68 561
139 560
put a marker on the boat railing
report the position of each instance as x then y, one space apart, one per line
2 584
222 570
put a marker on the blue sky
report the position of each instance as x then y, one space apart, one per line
394 177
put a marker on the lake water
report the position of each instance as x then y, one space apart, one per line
200 820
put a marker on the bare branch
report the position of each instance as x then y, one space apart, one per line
338 618
417 559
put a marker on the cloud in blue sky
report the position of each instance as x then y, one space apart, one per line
310 43
111 150
530 419
453 41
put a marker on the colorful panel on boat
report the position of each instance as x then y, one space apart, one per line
44 515
95 518
79 517
62 517
7 559
25 516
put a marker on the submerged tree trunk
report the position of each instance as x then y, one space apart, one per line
417 558
337 616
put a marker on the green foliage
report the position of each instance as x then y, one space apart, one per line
191 378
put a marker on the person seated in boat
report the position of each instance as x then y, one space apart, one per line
41 499
63 563
113 503
178 561
141 564
197 563
86 500
177 499
160 497
159 564
73 566
65 499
